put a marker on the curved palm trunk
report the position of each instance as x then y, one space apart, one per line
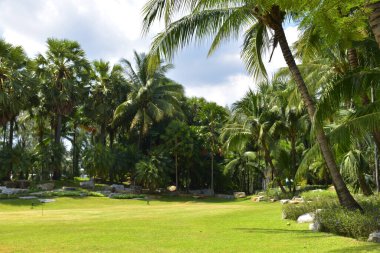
268 159
374 21
345 197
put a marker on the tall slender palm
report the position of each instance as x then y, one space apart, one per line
63 71
225 20
16 88
153 96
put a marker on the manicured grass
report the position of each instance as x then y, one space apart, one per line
166 225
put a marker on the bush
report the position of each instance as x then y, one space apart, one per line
336 219
353 224
126 196
81 193
277 193
293 211
319 194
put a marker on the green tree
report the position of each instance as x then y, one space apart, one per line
63 71
225 20
153 97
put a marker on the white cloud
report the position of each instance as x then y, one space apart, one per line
111 29
225 93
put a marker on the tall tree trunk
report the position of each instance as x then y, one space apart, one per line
374 21
75 151
10 144
176 170
103 135
212 171
57 141
344 195
269 161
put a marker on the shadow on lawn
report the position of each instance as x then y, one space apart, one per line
195 200
365 248
279 231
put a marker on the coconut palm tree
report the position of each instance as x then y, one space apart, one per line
225 20
153 96
63 71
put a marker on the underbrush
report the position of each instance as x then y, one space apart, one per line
334 218
127 196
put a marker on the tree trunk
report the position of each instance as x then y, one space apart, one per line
344 195
57 141
75 152
176 171
268 160
212 171
363 185
10 144
374 21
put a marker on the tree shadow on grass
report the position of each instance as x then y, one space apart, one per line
307 233
194 200
353 249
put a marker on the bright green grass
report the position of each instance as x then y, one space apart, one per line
166 225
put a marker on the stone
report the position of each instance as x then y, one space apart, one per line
315 227
46 187
306 218
273 200
117 188
224 196
294 202
28 197
239 195
258 199
284 201
2 188
46 200
67 188
87 184
374 237
12 191
299 200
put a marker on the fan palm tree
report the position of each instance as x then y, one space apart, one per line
64 72
153 96
225 20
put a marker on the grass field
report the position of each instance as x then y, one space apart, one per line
166 225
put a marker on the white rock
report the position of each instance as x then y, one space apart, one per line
87 184
284 201
11 191
238 195
46 187
306 218
315 227
117 187
28 197
46 200
374 237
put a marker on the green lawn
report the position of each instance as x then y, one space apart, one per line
166 225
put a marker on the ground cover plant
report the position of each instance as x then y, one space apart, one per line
167 225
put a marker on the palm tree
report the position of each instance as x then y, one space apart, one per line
64 72
226 20
153 97
16 89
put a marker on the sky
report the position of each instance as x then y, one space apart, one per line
111 30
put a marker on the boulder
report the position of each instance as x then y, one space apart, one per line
2 188
374 237
46 187
67 188
258 199
224 196
117 188
315 227
87 184
298 199
28 197
12 191
238 195
46 200
284 201
306 218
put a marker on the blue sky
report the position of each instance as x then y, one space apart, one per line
111 29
